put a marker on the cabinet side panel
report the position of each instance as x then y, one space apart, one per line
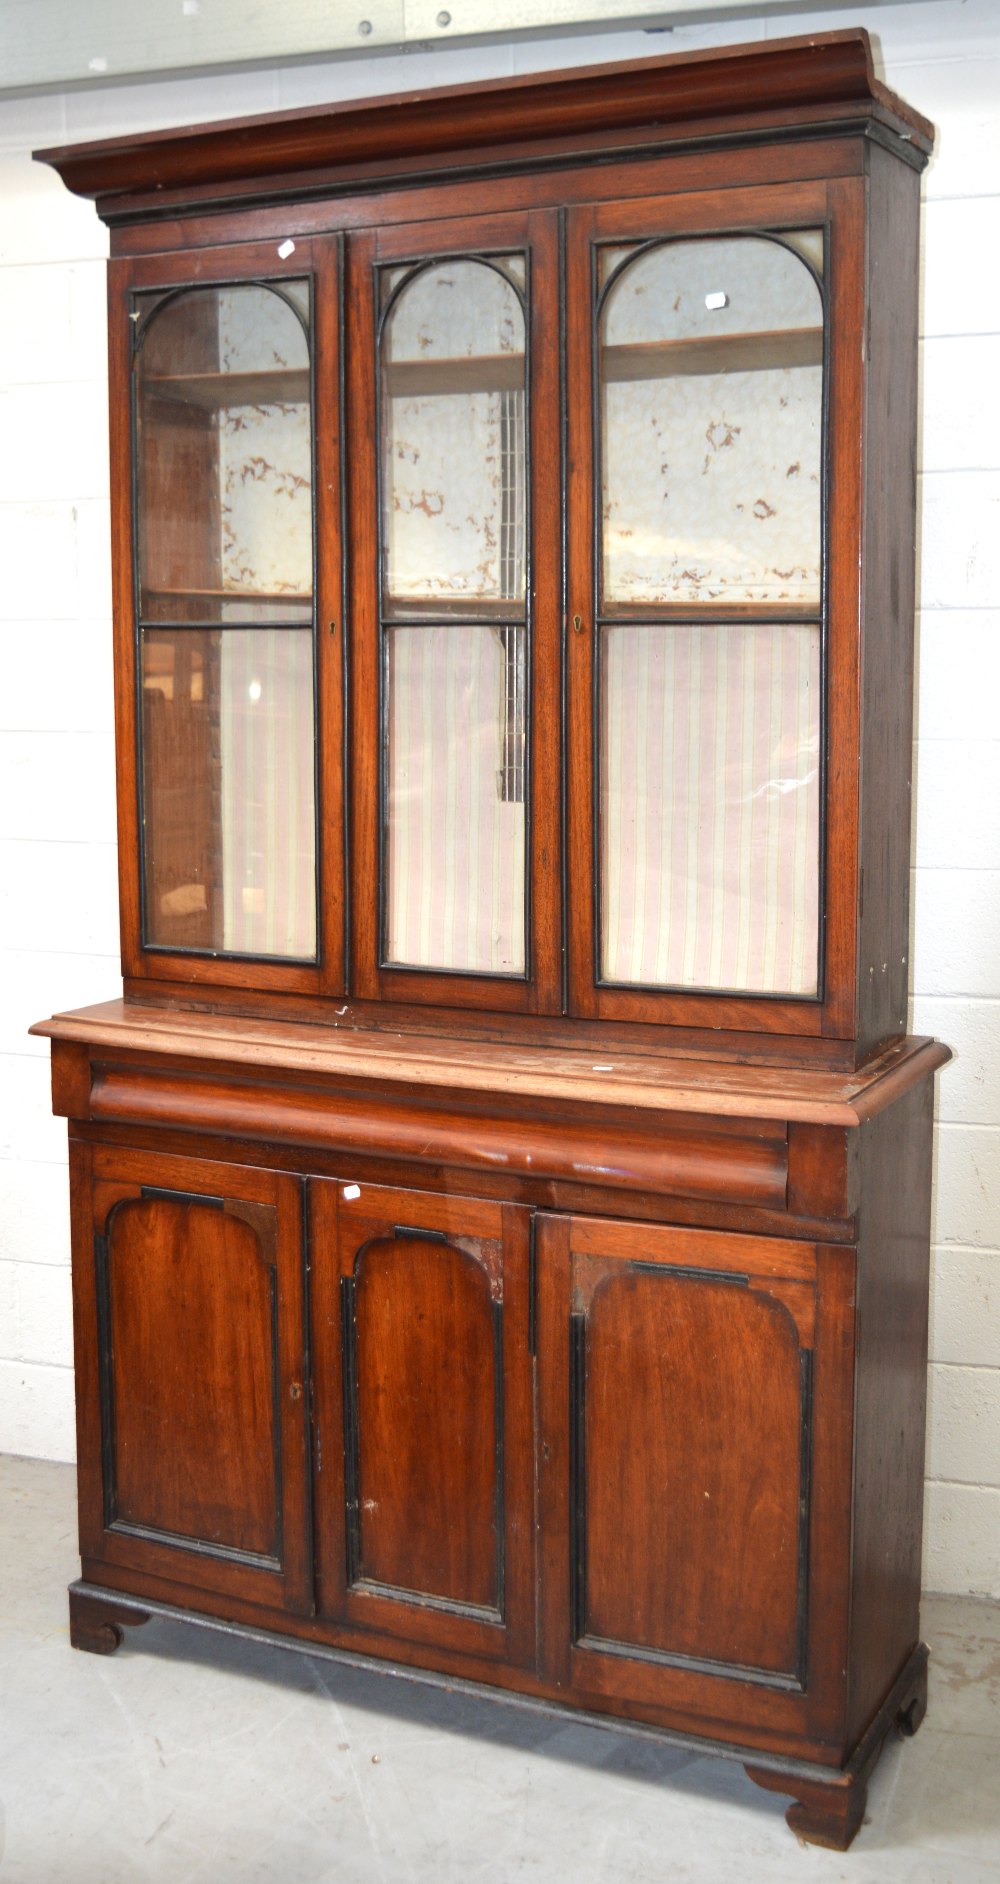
888 600
890 1399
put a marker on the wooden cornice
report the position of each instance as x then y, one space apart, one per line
780 86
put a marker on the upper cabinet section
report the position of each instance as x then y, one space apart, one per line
514 552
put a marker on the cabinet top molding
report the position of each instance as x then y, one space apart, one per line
786 87
642 1081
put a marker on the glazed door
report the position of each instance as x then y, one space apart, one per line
677 1463
232 826
423 1413
453 351
191 1382
707 398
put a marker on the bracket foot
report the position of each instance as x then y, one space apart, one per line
97 1623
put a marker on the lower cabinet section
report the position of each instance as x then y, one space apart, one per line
607 1462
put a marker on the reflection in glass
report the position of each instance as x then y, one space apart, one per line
228 792
454 545
455 836
711 415
453 456
224 455
709 806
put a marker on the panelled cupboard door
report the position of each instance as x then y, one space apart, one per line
678 1460
192 1388
423 1409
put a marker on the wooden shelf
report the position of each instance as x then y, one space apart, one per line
485 372
236 595
214 392
619 614
652 359
722 353
402 611
504 372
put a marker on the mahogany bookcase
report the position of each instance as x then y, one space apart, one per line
500 1198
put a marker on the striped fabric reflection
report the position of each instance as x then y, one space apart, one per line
267 811
710 806
456 814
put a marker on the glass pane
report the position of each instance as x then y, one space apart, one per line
228 792
709 843
453 455
711 401
224 457
608 259
456 798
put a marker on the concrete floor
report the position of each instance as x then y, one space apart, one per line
195 1757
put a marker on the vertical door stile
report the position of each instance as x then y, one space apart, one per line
579 626
544 390
362 627
332 628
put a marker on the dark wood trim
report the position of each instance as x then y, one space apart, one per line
352 1462
499 1432
105 1373
577 1476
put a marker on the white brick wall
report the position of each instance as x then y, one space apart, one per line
58 913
